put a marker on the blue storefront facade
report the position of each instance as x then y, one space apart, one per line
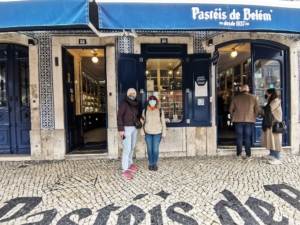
185 62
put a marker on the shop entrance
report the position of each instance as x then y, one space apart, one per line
84 78
260 65
180 81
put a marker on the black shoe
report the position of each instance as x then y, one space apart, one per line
155 168
150 167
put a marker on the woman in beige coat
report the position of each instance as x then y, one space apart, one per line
269 139
154 130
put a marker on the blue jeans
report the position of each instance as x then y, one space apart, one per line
153 141
130 133
243 131
275 153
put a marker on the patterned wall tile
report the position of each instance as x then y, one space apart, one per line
125 45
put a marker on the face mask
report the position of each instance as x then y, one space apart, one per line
266 96
152 102
131 97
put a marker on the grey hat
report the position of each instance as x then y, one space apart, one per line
130 90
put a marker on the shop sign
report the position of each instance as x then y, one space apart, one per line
279 17
215 58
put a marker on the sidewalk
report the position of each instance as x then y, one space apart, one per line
196 190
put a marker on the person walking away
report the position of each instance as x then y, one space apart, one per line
244 110
128 131
154 130
269 139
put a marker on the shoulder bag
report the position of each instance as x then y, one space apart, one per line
279 127
136 121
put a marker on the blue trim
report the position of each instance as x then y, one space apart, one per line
153 16
43 13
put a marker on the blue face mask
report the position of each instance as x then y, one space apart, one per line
152 102
131 97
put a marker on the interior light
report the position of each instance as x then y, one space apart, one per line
233 53
95 59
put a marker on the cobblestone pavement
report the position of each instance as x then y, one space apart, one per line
194 190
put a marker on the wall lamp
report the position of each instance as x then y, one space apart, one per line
32 42
210 42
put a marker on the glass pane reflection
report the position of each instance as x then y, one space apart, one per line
267 74
164 80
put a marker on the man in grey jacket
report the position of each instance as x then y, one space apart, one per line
244 110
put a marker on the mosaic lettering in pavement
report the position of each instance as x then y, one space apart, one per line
195 190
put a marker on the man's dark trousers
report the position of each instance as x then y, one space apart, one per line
243 131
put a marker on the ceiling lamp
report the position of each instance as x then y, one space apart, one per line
95 59
233 53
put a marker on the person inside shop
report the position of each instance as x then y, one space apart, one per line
221 113
127 130
271 111
244 110
154 131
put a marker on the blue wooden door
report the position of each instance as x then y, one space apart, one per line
15 123
197 90
270 70
73 123
130 75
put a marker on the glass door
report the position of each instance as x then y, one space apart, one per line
269 71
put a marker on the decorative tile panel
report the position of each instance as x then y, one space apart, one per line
46 74
125 45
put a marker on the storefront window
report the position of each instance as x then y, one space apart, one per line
164 80
267 74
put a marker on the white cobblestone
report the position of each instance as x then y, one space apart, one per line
94 184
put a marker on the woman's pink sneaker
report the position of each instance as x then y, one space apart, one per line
133 168
127 175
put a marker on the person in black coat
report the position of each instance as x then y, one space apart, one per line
128 131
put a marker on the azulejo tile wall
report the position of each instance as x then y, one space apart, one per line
46 74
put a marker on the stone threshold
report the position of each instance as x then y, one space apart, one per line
254 151
87 156
11 157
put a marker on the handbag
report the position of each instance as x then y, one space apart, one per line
136 121
279 127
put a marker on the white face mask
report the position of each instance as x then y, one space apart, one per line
152 102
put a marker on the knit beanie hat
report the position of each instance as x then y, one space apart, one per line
130 90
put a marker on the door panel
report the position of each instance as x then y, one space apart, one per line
4 140
197 88
269 71
15 122
72 125
128 77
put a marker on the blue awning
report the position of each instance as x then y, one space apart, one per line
195 16
43 14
